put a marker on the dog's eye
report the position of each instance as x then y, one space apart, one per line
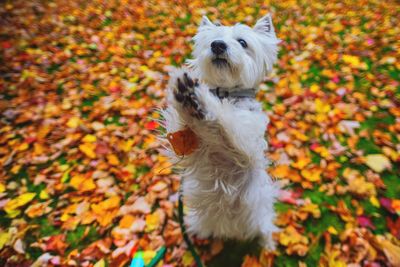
242 43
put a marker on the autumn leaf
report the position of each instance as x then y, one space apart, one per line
4 238
294 241
73 122
378 162
183 142
56 243
391 250
82 183
250 262
11 207
312 175
88 149
106 210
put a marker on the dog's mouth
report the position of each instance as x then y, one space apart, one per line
220 62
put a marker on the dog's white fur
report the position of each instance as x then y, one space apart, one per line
225 186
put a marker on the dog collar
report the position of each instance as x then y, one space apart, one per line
239 93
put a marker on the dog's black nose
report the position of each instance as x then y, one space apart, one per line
218 47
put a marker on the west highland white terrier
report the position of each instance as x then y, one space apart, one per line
225 186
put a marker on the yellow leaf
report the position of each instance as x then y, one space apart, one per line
73 122
301 163
152 222
12 205
312 175
323 151
127 145
130 168
314 88
2 188
377 162
4 239
43 194
111 203
332 230
374 201
187 259
291 236
311 208
82 183
106 210
249 10
333 262
88 149
164 168
351 60
360 186
299 135
148 255
23 146
100 263
65 175
89 138
322 107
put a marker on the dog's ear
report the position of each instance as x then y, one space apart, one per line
205 22
265 26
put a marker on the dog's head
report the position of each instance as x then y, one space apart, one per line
234 56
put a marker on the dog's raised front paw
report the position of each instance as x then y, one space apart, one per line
184 93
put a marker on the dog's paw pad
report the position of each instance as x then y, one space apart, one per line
185 94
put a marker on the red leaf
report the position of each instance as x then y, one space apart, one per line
151 125
394 226
56 243
102 148
6 45
365 221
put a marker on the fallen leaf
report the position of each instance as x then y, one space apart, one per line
12 206
88 149
378 162
82 183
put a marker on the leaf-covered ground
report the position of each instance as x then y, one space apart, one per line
81 179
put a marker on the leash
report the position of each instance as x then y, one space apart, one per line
184 233
137 256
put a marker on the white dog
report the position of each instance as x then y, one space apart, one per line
225 186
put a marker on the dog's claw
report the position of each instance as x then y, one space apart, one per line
188 80
185 94
181 86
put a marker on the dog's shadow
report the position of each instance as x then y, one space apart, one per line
234 252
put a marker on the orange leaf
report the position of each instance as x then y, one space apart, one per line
82 183
183 142
251 262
